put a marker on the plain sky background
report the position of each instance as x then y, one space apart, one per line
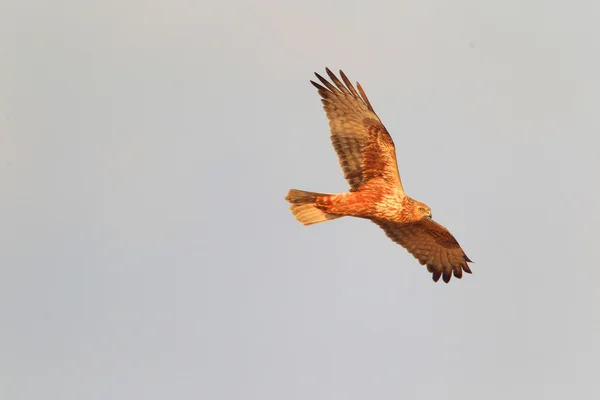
146 249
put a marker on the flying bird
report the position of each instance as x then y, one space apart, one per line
367 156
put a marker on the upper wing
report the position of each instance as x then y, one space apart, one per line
432 245
363 145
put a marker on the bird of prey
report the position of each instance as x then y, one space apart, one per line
367 156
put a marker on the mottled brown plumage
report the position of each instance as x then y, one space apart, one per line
367 156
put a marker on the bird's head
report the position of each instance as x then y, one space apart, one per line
422 210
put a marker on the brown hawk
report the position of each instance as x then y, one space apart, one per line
367 156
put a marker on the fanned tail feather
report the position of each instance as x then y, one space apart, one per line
304 207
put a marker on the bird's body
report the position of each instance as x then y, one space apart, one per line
367 156
377 203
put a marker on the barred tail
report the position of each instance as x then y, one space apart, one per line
304 208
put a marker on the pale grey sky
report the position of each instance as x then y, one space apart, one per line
147 251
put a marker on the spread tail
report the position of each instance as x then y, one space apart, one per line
304 207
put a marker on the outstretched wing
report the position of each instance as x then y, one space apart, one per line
432 245
363 145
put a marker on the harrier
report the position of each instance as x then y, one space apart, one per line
367 156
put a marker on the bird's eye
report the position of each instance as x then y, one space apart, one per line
421 209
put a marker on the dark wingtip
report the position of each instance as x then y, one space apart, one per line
467 269
334 79
320 77
327 84
319 87
458 273
447 277
436 276
331 74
